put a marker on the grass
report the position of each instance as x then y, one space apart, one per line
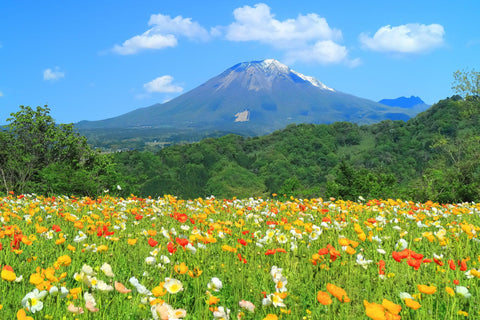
66 242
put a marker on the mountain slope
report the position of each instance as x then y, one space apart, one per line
258 97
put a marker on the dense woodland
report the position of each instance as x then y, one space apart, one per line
434 156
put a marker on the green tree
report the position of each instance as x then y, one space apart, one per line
466 83
40 156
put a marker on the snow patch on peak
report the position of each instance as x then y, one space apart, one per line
274 64
313 81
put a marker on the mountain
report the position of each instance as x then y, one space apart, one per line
404 102
255 97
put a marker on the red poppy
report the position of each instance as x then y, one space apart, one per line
414 263
270 251
381 267
182 242
437 261
463 265
152 242
242 242
56 228
416 256
171 247
323 251
452 264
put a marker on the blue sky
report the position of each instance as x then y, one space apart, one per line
96 59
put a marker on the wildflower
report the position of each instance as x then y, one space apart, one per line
462 291
275 299
212 299
152 242
173 285
338 293
90 303
362 262
323 298
247 305
271 316
374 311
195 272
77 310
215 284
401 244
450 291
181 268
121 288
159 291
102 248
221 313
164 259
102 286
32 300
107 270
426 289
139 287
8 274
412 304
165 311
22 315
391 307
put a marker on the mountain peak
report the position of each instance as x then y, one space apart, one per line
270 70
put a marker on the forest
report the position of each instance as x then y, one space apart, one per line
433 156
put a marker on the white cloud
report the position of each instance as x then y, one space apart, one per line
258 24
163 34
1 94
52 75
323 52
408 38
306 38
162 84
145 41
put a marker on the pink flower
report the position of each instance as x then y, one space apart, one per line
247 305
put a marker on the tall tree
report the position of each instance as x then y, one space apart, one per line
40 156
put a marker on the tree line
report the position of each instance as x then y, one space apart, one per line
433 156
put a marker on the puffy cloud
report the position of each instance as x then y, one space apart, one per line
323 52
162 84
164 33
258 24
306 38
408 38
145 41
51 75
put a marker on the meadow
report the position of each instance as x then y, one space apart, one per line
165 258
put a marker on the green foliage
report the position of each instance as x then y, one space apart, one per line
40 156
434 156
234 181
466 82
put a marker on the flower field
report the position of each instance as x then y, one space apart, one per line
114 258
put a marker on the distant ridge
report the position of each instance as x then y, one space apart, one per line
257 97
404 102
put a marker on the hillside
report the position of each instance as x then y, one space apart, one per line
432 156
